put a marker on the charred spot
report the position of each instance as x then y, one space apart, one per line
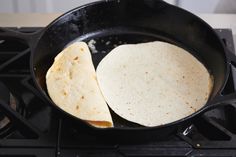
82 97
77 107
193 108
65 93
76 58
70 74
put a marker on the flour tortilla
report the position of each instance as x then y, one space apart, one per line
72 85
153 83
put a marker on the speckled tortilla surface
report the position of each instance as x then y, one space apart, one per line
72 85
153 83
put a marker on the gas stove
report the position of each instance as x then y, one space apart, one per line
29 127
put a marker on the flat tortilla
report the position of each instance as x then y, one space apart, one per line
72 85
153 83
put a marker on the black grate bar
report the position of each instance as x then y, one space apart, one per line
220 127
26 152
58 152
5 64
19 122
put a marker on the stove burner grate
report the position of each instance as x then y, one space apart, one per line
35 129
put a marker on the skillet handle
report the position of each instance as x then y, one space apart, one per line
30 39
229 99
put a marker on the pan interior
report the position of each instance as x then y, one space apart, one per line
111 23
102 42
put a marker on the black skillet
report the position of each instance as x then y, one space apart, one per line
115 22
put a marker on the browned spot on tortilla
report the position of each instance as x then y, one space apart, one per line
81 49
65 93
187 102
76 58
82 97
167 113
193 108
58 69
146 72
70 74
77 107
183 76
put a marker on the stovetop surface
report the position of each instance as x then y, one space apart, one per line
34 129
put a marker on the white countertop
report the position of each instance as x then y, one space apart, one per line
41 20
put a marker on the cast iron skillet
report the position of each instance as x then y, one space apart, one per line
129 21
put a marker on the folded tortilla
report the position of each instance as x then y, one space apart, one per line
72 85
153 83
